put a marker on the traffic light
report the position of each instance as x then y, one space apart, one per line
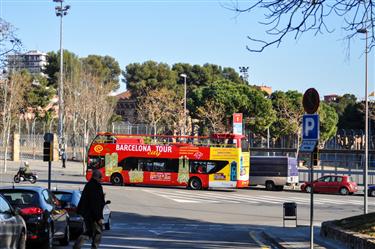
47 151
48 147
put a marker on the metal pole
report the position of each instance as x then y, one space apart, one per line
311 203
184 106
61 101
20 139
366 137
268 140
49 175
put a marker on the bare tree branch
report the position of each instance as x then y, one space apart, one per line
296 17
8 41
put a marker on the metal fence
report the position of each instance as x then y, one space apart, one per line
9 149
31 145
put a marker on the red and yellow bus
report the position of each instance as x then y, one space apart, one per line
191 161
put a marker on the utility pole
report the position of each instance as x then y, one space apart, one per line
184 76
61 11
365 171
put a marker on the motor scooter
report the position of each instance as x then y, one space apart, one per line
22 176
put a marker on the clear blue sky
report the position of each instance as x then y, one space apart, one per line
195 32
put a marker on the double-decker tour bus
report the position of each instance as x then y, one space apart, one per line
193 161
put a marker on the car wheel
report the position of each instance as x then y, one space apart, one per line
48 244
65 241
372 193
308 189
195 183
107 226
344 191
116 179
22 240
270 185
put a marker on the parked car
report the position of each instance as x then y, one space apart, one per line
332 184
45 219
371 190
12 227
69 200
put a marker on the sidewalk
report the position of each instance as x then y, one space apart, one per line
41 168
299 237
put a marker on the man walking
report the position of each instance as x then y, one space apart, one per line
91 208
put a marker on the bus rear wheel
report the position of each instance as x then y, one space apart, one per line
116 179
270 185
195 183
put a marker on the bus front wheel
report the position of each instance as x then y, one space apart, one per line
195 183
116 179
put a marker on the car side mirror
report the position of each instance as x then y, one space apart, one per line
107 202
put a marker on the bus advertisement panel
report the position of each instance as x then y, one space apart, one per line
132 161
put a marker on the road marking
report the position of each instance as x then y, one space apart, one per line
253 236
183 196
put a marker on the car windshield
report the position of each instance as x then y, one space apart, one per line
20 197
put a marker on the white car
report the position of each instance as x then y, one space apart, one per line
69 200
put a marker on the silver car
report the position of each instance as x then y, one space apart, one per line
12 227
69 200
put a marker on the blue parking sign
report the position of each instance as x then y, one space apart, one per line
310 127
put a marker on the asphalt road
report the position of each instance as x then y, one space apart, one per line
168 217
151 217
161 217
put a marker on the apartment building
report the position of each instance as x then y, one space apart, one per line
34 61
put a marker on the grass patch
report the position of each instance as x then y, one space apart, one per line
364 224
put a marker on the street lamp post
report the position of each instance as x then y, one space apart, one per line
61 11
184 76
365 171
244 72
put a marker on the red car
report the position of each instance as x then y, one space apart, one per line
332 184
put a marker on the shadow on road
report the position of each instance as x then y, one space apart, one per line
132 230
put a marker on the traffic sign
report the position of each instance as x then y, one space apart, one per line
308 146
311 101
310 127
237 123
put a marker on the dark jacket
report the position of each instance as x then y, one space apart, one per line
92 201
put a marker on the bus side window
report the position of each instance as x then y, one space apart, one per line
129 163
144 164
172 165
210 166
159 166
198 167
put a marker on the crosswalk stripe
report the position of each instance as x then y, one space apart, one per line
289 199
174 196
195 197
210 197
232 198
187 198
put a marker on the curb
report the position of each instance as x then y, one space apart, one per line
351 239
318 241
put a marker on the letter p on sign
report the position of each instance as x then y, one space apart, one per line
310 128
